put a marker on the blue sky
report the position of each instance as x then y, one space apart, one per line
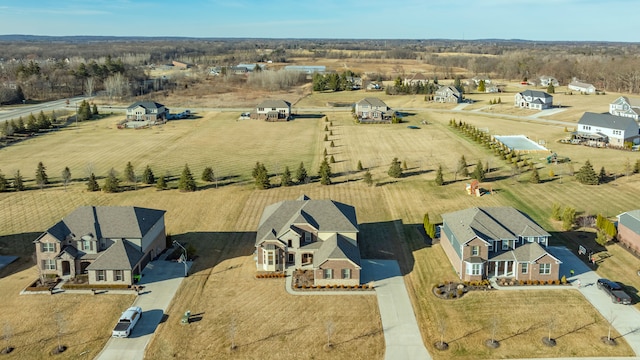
577 20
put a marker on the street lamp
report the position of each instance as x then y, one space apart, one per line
185 257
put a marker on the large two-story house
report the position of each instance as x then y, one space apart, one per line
111 244
606 129
373 109
448 94
485 242
272 110
627 107
533 99
317 235
147 111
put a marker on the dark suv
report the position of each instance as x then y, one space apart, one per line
615 291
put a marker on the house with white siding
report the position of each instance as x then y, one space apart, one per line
582 87
606 130
533 99
627 107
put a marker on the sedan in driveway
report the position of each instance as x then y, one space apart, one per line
615 291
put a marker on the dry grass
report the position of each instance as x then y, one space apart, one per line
221 222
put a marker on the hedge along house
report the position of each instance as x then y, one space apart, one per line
497 242
317 235
111 244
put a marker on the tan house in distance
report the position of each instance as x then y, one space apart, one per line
272 110
485 242
111 244
448 94
317 235
372 109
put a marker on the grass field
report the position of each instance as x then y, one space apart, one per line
220 223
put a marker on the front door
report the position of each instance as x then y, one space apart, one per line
66 268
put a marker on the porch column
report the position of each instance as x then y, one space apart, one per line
515 267
506 267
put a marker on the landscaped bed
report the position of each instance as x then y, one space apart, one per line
303 280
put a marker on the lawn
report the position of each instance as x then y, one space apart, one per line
219 221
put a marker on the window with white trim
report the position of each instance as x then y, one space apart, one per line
117 275
490 245
505 244
307 237
328 273
346 273
475 250
474 269
545 269
48 247
100 276
525 268
49 264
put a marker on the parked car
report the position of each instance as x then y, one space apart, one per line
127 321
615 291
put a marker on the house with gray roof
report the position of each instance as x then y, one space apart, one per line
606 130
372 109
629 230
583 87
272 110
111 244
546 80
627 107
448 94
485 242
317 235
416 79
147 111
533 99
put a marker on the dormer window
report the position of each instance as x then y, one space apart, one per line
307 237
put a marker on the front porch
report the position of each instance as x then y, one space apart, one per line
501 268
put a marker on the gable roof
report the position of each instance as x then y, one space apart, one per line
336 247
122 255
535 94
581 84
491 223
448 89
274 104
145 104
633 102
373 102
631 220
607 121
114 222
418 76
323 215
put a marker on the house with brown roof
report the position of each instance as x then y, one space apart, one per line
373 110
272 110
485 242
533 99
629 230
111 244
317 235
627 107
448 94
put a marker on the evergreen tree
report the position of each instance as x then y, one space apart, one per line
326 137
325 172
367 178
535 177
129 173
66 177
556 211
261 176
285 179
429 228
32 125
481 86
568 217
41 175
395 170
147 176
4 184
94 110
43 122
332 160
18 181
404 165
332 144
586 174
478 172
161 184
636 167
301 174
20 125
462 167
360 168
325 153
186 182
92 183
111 183
207 174
439 178
551 89
602 177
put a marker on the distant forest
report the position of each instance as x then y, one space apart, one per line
53 67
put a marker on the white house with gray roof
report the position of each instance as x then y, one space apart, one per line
485 242
317 235
606 130
272 110
627 107
372 109
147 111
448 94
533 99
111 244
583 87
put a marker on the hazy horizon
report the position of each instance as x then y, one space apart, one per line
541 20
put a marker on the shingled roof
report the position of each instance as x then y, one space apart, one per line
373 102
336 248
122 255
146 105
274 104
606 121
535 94
114 222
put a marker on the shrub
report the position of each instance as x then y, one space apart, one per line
521 282
550 282
556 282
563 280
460 292
451 295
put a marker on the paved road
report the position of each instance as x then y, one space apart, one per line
24 111
401 333
626 319
161 279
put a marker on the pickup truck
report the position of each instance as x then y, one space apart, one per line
127 321
615 291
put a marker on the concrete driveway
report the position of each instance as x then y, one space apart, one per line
626 319
401 333
161 279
